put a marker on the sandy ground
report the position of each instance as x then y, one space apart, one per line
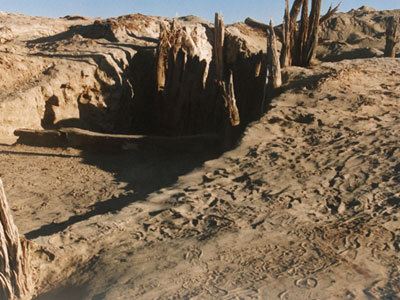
306 207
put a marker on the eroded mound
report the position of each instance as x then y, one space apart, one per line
100 74
359 33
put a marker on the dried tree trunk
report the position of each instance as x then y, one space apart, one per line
286 58
256 24
219 38
300 41
392 37
15 273
313 32
275 74
331 11
162 56
294 12
230 101
226 86
303 35
289 34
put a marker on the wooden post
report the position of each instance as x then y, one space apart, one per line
286 58
313 32
230 101
275 79
392 37
300 41
162 57
15 272
289 32
294 13
303 35
226 87
219 38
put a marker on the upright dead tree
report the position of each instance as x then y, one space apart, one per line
392 37
226 86
293 28
300 39
15 276
301 42
313 32
286 58
162 58
274 65
219 38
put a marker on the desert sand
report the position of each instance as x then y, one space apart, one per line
306 205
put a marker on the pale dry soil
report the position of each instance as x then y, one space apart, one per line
307 206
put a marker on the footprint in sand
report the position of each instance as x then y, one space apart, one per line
306 283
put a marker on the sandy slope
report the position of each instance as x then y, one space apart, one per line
306 207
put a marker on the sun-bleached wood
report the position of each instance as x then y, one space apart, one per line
219 38
300 39
286 57
15 272
162 57
274 64
313 33
230 101
226 86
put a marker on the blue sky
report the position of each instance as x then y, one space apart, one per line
233 10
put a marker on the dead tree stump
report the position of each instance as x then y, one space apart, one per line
392 37
226 86
274 65
15 272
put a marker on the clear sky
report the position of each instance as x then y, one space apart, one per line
233 10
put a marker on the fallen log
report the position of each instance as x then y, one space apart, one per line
102 142
256 24
15 268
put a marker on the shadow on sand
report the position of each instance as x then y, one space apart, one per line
144 171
